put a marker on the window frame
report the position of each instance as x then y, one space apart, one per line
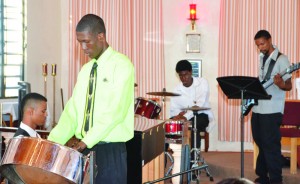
4 12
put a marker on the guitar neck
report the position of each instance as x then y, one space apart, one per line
271 81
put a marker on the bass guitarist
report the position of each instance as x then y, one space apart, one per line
267 115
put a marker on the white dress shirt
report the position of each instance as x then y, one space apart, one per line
196 94
29 130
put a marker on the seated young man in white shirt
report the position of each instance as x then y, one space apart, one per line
34 114
194 91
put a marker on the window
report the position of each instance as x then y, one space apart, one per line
12 46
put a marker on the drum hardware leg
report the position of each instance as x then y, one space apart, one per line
172 163
163 105
82 171
173 136
206 169
177 174
92 167
197 153
89 168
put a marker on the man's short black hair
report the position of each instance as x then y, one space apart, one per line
262 34
183 65
31 97
92 23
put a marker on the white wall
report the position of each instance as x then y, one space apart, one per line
44 46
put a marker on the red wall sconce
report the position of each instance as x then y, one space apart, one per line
193 14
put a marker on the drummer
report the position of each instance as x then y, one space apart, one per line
34 114
194 91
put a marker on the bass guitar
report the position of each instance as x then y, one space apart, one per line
249 103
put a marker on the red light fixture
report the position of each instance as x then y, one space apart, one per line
193 14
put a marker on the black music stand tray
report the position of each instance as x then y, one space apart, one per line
242 87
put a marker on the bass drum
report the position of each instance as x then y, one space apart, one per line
33 160
147 108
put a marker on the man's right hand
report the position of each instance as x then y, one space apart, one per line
182 113
180 116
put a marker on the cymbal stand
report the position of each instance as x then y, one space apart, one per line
172 163
163 104
167 154
197 152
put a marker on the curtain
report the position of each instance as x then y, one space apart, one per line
238 55
134 28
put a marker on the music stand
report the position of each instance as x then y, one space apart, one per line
242 87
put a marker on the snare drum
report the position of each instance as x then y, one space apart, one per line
173 131
147 108
173 127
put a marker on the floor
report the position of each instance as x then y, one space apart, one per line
223 165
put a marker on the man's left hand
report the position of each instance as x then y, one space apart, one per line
80 146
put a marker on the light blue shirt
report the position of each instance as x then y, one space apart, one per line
276 103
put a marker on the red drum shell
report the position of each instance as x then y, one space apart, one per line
147 108
173 127
34 160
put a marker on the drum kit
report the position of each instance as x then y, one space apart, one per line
173 128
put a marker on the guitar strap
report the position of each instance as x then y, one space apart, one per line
271 66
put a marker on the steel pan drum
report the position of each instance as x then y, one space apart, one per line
33 160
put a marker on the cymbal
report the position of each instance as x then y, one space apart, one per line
163 93
196 108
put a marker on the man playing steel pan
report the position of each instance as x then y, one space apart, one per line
100 111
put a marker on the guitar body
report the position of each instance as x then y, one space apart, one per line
248 106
